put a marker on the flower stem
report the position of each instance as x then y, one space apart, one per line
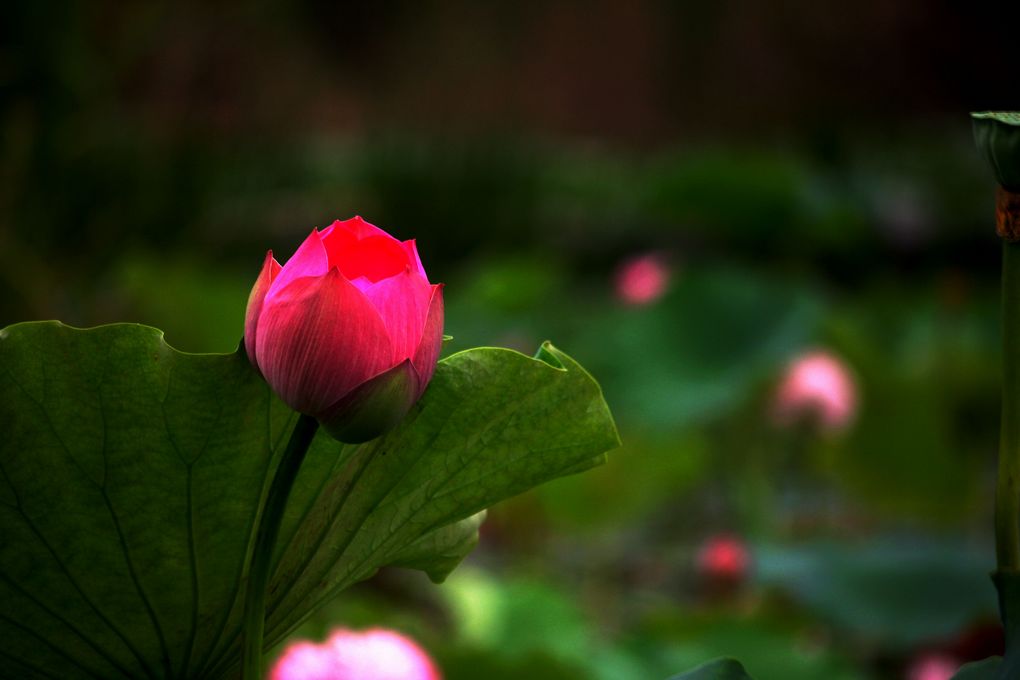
1007 495
265 542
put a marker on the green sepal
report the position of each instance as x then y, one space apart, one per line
374 407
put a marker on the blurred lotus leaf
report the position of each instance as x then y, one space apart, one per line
997 134
901 593
986 669
720 669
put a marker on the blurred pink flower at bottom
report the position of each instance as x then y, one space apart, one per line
817 384
933 667
374 654
642 280
305 661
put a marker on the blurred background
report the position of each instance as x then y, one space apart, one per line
762 226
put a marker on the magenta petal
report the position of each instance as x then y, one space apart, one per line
373 407
427 354
411 248
337 240
309 260
270 269
318 339
376 258
402 302
360 228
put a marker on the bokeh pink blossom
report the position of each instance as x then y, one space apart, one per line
933 667
373 654
642 280
817 385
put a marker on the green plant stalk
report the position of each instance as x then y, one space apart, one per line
1007 495
265 542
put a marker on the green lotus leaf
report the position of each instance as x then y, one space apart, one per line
132 477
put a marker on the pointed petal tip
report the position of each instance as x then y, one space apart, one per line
309 259
271 264
361 228
411 248
256 298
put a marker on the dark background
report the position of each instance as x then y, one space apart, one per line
805 169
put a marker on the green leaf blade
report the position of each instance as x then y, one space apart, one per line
529 422
115 441
132 475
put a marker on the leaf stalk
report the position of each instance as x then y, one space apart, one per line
265 542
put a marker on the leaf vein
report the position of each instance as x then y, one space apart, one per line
53 553
57 650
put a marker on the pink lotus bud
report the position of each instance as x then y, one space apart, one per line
933 667
642 280
375 654
348 330
817 384
724 558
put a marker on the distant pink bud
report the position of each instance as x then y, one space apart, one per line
933 667
642 280
818 385
374 654
724 558
348 330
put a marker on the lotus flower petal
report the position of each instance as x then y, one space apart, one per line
411 248
270 269
359 228
427 354
318 339
403 303
309 260
348 330
375 258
